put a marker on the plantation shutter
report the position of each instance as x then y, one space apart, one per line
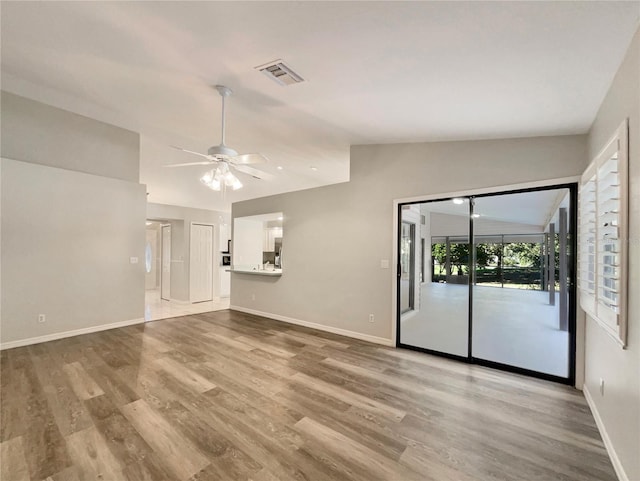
603 237
587 247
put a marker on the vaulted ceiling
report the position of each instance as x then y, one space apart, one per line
376 72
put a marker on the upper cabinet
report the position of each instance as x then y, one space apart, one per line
270 236
224 232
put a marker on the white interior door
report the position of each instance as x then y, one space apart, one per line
165 277
201 263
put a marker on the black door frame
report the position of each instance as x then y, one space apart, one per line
571 271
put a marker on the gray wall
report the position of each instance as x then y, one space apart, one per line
336 236
66 242
34 132
67 236
180 219
619 408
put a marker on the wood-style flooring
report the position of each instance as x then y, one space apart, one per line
230 396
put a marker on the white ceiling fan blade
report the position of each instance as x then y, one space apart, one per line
258 174
204 162
206 156
250 159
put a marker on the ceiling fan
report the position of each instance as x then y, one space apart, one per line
225 159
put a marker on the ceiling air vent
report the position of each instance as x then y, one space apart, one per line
280 72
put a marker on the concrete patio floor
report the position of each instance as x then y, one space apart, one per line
510 326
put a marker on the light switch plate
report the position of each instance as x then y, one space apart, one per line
384 263
133 260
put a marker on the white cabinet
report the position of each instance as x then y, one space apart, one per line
268 242
224 277
225 282
270 236
224 234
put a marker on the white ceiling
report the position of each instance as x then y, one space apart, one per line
537 208
378 72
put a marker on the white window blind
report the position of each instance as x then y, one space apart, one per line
587 247
603 237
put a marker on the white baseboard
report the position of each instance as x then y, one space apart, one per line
617 465
319 327
62 335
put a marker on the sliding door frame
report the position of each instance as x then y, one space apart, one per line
412 266
572 186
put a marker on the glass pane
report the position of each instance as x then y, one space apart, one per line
520 284
434 307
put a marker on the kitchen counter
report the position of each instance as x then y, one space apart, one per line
255 272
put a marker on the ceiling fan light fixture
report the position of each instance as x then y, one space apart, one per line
236 184
207 177
219 178
229 179
215 185
211 179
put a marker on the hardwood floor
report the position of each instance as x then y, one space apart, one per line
230 396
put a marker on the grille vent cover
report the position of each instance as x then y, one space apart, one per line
280 72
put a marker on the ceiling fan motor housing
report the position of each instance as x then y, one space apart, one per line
221 150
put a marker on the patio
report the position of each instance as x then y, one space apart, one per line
510 326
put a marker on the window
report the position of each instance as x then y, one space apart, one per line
603 237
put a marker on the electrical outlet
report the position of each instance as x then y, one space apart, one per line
371 318
42 318
253 297
601 387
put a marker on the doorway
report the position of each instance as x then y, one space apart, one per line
499 287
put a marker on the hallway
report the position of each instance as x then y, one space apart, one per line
156 308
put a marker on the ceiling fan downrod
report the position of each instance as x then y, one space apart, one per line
224 92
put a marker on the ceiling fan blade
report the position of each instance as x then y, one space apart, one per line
206 156
204 162
250 159
258 174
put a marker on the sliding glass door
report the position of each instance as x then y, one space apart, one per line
439 317
497 284
521 282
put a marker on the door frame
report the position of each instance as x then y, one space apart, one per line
570 183
412 268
